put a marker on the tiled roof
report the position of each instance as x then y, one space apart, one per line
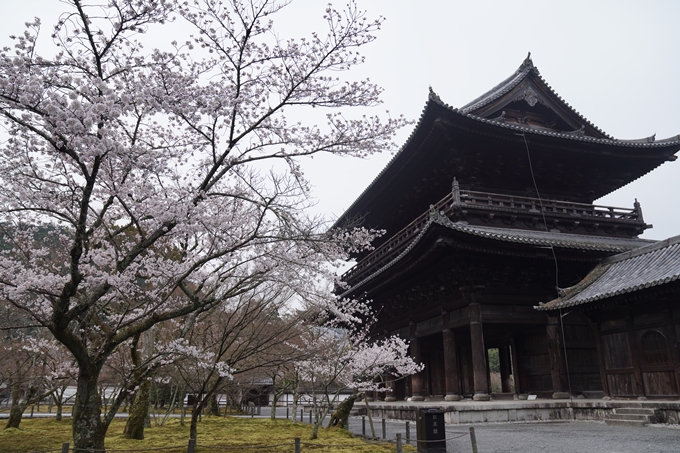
527 67
501 89
532 238
548 238
628 272
649 142
491 95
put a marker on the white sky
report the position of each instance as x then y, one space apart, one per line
616 62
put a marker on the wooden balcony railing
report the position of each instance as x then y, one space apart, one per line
467 200
533 205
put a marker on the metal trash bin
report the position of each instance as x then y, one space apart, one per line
430 431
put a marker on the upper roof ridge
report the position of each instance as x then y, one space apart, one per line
673 240
523 71
502 88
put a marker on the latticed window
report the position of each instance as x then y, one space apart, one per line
654 348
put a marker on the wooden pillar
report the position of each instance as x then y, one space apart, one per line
600 358
600 352
635 356
504 359
479 362
451 373
673 345
515 366
417 378
390 384
556 357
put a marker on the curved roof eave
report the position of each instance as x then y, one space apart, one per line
511 82
527 237
625 273
632 143
525 69
431 97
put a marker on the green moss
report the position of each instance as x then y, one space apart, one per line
45 434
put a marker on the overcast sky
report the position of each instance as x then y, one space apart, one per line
616 62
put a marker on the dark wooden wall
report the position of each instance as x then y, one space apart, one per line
640 351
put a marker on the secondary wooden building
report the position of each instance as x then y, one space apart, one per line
488 208
631 301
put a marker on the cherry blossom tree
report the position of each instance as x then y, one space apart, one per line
32 368
168 181
344 356
246 333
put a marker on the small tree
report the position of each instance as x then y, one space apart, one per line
349 359
244 334
128 154
32 368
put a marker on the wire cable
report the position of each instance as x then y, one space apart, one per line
540 202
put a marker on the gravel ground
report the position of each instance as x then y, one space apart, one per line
539 437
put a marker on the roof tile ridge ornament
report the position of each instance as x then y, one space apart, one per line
432 96
638 210
527 65
499 119
439 217
650 139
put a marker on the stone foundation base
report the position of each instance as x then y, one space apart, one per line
417 398
561 396
481 397
452 398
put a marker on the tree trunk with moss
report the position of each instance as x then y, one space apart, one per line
19 405
341 416
15 412
139 411
213 407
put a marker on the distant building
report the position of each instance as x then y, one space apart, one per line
488 208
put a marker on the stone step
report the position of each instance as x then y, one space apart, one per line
634 410
638 423
645 417
503 396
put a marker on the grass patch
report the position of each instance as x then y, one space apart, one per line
48 434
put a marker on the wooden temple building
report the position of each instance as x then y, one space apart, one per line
489 211
632 303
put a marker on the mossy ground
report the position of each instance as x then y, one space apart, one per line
48 434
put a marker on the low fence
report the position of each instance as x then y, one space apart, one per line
398 440
297 445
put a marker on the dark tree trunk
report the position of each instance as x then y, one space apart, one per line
88 429
213 407
60 409
17 409
275 401
193 425
341 416
15 414
201 404
139 411
19 405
